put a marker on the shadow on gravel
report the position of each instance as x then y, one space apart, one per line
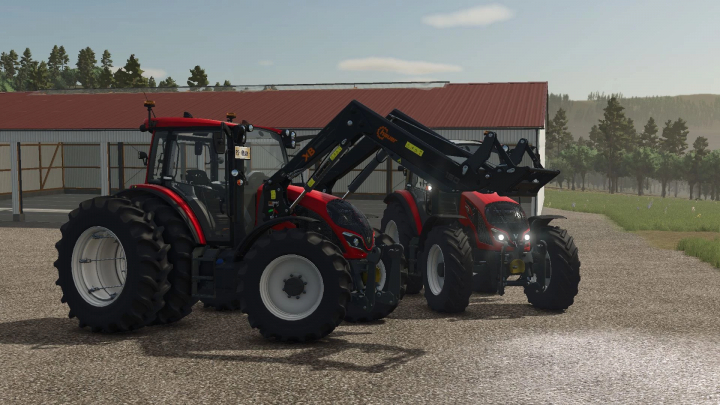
480 308
203 338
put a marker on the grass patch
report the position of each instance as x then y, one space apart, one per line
647 213
706 250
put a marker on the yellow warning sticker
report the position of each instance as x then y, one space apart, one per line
273 195
311 182
414 149
335 153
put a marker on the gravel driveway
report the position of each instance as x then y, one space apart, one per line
645 328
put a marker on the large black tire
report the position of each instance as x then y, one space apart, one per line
454 293
178 300
394 212
294 244
565 274
381 310
145 285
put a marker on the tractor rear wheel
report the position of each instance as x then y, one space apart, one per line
446 265
562 256
396 224
294 285
112 265
178 300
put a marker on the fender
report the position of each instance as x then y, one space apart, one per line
406 199
256 233
542 220
437 220
174 200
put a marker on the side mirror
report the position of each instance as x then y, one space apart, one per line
401 168
142 155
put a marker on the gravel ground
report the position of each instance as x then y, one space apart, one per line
644 329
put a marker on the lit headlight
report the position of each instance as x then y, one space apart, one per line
500 237
429 187
527 236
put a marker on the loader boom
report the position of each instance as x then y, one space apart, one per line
406 141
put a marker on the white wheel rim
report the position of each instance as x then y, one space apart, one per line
435 258
99 266
391 230
383 277
272 283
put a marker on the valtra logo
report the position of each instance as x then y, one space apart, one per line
382 133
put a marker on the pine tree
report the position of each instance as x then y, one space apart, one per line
10 64
63 58
131 74
151 82
612 139
106 79
54 63
39 77
168 82
648 137
105 60
26 62
197 78
86 68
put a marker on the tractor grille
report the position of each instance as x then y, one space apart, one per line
507 216
483 234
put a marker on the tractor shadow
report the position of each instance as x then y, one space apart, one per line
481 307
217 337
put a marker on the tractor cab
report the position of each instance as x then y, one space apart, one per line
188 156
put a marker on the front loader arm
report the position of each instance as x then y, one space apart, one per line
418 148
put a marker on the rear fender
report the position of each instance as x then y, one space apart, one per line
173 200
407 201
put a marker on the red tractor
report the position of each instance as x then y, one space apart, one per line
206 226
458 240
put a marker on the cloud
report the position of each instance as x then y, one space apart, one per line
475 16
397 65
155 73
266 63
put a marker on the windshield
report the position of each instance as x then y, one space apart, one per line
267 153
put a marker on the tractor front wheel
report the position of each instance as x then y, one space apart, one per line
446 265
294 285
559 292
112 265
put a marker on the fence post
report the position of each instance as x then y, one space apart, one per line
16 180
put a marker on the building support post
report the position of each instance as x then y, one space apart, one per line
104 169
121 166
16 180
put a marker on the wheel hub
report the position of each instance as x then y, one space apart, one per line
294 286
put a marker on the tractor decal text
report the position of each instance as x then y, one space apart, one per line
311 182
414 149
382 133
307 155
273 196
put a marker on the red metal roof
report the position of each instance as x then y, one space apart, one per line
472 105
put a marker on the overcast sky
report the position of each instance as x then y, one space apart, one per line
639 48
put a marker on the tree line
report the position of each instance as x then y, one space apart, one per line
23 73
615 148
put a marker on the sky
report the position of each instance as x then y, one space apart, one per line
638 48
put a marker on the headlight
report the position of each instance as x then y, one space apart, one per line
292 135
527 236
501 237
498 235
429 187
287 132
292 144
250 127
352 240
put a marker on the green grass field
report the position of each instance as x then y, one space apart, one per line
635 213
651 213
705 250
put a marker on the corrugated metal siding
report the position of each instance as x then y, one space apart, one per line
77 136
462 105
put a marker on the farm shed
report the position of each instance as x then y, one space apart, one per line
88 142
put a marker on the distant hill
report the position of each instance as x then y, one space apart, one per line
701 111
